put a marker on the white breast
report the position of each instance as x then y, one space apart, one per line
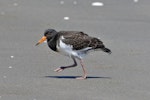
64 48
67 50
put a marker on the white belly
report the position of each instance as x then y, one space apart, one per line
68 51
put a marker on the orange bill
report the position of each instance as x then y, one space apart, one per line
41 40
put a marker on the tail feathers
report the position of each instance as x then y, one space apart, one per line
106 50
98 44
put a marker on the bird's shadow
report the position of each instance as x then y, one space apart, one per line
73 77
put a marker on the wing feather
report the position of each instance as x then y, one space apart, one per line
78 40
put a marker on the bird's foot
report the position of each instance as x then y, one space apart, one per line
81 78
59 69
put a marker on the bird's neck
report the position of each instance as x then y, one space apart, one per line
52 43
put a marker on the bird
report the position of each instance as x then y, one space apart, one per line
74 44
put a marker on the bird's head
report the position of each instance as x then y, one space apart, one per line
48 35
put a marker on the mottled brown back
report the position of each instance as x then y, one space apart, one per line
80 40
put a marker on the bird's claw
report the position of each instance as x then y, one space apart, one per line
59 69
81 78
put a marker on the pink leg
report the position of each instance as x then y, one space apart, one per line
84 71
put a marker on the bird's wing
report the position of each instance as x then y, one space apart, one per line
78 40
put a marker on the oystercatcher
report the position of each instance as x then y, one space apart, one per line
74 44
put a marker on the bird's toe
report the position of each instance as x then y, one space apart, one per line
59 69
81 78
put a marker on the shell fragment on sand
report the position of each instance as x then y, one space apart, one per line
97 4
66 18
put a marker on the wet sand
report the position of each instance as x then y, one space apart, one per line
26 71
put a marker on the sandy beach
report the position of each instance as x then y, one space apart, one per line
26 70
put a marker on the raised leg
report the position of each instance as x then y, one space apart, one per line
64 67
84 71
